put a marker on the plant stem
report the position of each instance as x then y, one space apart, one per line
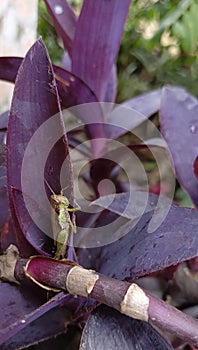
127 298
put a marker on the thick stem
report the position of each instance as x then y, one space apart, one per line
167 317
127 298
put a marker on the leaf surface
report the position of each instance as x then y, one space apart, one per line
131 113
137 251
179 126
36 140
97 40
108 329
64 20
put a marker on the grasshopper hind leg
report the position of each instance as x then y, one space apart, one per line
61 244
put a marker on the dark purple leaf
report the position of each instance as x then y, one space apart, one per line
108 329
4 208
103 168
118 158
73 92
35 121
136 111
33 235
9 67
53 323
16 304
64 20
110 94
66 61
195 166
68 341
147 104
193 264
7 235
96 43
179 126
21 311
127 206
139 252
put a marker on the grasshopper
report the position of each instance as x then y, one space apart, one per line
61 225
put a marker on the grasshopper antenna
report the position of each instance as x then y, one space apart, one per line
64 188
49 187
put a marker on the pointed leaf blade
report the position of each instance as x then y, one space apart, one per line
108 329
97 40
64 20
142 252
35 113
179 126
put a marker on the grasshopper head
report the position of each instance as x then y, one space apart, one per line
58 201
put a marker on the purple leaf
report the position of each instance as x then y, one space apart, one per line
66 61
51 324
179 126
64 20
4 208
22 309
9 67
110 165
37 144
108 329
195 166
16 303
33 235
110 94
127 206
137 110
139 251
7 235
147 104
96 43
74 92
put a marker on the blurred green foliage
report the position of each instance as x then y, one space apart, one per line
183 198
46 29
159 45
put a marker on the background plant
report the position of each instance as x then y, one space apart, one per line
159 46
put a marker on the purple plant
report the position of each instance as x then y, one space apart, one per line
143 246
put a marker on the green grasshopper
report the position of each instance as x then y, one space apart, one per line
61 225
